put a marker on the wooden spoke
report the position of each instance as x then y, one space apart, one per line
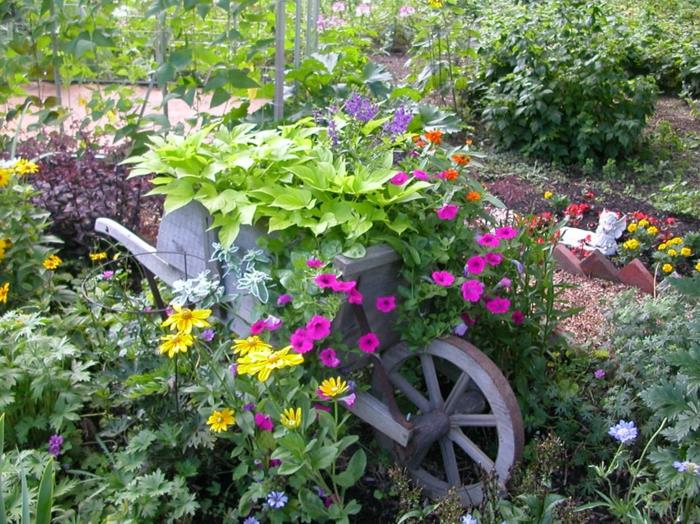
449 460
412 393
457 391
471 449
431 381
476 420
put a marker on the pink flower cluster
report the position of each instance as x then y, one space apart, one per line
318 328
268 324
330 281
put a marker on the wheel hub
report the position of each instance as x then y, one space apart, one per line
427 428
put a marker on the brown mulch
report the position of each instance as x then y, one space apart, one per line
675 111
594 295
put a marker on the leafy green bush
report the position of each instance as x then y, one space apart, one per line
554 87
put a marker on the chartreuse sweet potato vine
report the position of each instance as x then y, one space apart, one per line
286 176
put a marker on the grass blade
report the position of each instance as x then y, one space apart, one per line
45 498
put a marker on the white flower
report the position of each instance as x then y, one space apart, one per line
468 519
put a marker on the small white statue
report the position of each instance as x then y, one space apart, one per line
610 228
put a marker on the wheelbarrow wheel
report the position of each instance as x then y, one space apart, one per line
467 423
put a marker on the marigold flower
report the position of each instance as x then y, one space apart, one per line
262 363
52 262
449 174
672 252
686 251
291 418
662 247
220 420
176 343
4 292
632 227
697 266
653 230
5 176
675 241
643 222
631 244
473 196
547 195
667 268
184 319
437 4
244 346
332 387
461 159
434 136
96 257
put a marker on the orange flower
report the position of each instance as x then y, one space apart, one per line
450 174
461 160
473 196
434 136
418 141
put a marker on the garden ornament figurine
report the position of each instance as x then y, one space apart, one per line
610 228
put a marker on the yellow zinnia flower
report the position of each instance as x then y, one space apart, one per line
25 167
643 222
631 244
675 241
662 247
632 227
96 257
653 230
332 387
243 346
686 251
176 343
184 319
672 252
263 362
291 418
547 195
5 176
4 291
667 268
220 420
52 262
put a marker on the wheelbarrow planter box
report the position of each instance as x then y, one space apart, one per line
460 381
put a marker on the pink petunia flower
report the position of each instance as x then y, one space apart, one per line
257 327
284 299
263 422
493 259
106 275
518 317
329 358
349 400
272 323
497 305
505 283
301 342
488 240
314 263
386 304
443 278
447 212
506 233
472 290
343 287
399 178
368 342
419 174
318 328
475 265
325 280
354 296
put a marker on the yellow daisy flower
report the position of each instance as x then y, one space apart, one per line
96 257
667 268
263 362
5 176
52 262
220 420
5 290
25 167
332 387
291 418
686 251
184 319
176 343
243 346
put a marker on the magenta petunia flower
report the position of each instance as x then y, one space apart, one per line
506 233
368 342
447 212
354 296
386 304
472 290
318 328
314 263
343 287
493 259
518 317
475 265
257 327
329 358
273 323
301 342
497 305
505 283
284 299
399 178
322 407
419 174
325 280
263 422
488 240
443 278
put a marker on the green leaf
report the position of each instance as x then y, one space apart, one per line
322 458
355 251
219 97
45 497
293 199
239 79
25 498
83 46
355 470
240 471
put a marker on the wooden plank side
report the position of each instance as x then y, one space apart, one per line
377 415
376 256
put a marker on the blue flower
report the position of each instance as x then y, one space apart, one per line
623 432
251 520
468 519
277 499
399 124
687 466
361 108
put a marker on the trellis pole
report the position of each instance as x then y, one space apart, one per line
297 34
312 27
280 21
